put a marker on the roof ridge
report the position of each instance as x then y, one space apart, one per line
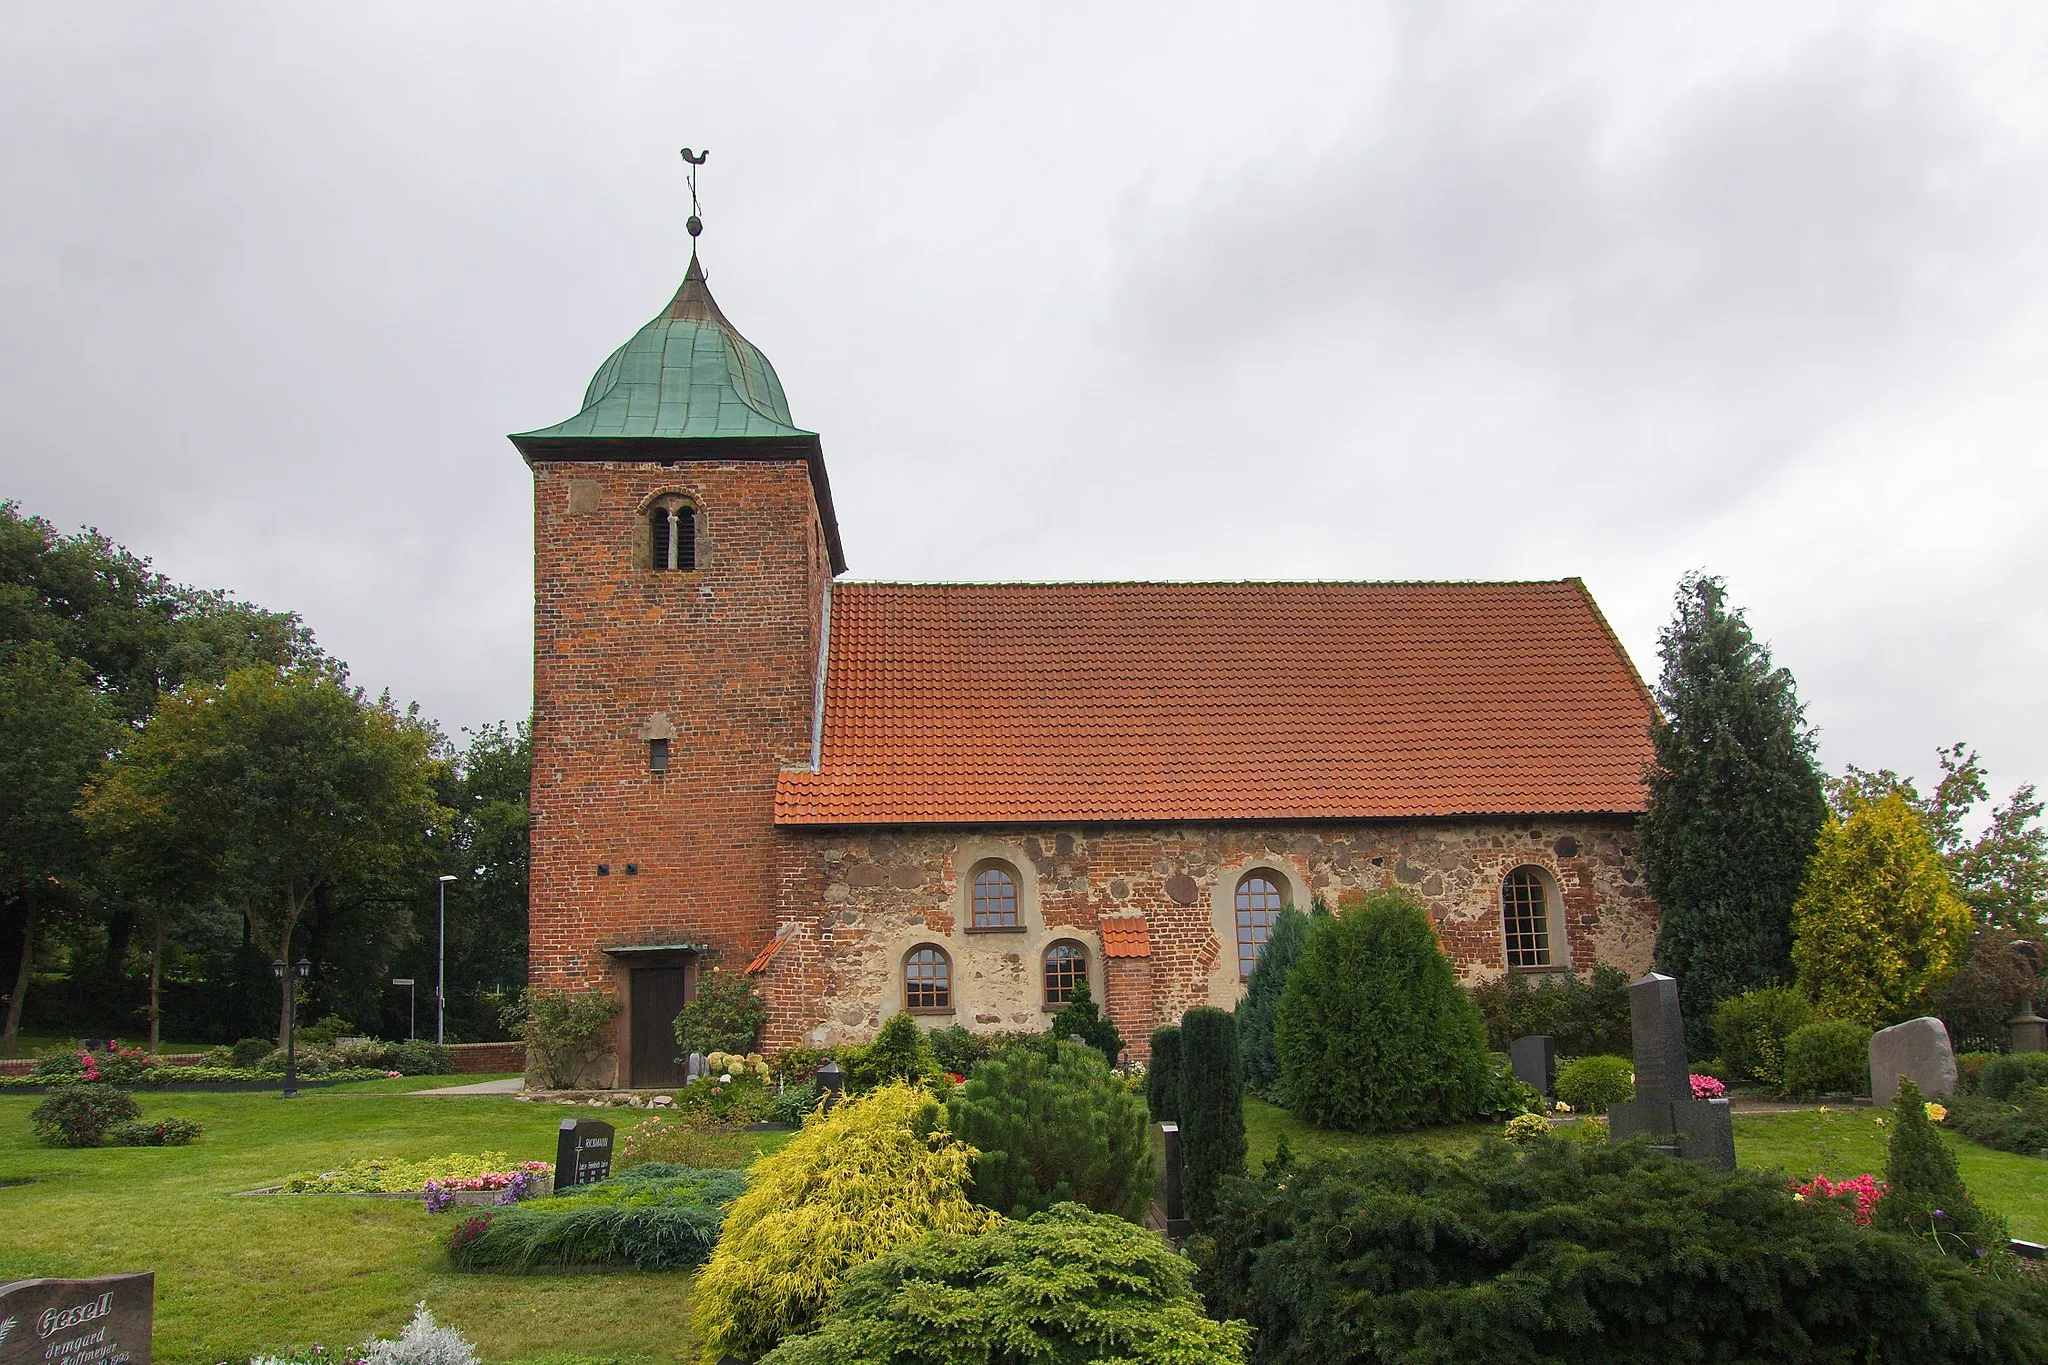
1208 583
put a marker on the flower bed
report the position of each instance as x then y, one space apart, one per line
192 1078
464 1172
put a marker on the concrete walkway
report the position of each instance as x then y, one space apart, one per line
511 1085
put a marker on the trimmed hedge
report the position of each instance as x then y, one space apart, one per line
1751 1030
1594 1085
1212 1141
1829 1057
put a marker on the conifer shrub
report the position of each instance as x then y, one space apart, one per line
1828 1057
900 1051
2003 1076
1927 1198
1082 1018
875 1172
1051 1130
1212 1141
1162 1075
725 1016
2018 1125
1594 1085
81 1115
1373 1030
1285 940
956 1050
1579 1251
1063 1287
1586 1016
1751 1030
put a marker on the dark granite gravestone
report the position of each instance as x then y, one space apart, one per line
106 1321
1172 1215
583 1152
1664 1109
831 1085
1534 1061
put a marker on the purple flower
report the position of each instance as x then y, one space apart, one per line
1941 1213
438 1198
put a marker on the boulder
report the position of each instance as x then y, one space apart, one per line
1917 1050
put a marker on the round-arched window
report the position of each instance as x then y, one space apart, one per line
927 979
1066 966
672 536
1525 918
995 897
1259 899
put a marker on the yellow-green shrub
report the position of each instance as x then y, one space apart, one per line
875 1172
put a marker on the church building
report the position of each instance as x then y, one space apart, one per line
961 799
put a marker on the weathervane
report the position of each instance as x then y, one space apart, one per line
696 224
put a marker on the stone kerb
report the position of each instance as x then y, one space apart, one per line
1917 1050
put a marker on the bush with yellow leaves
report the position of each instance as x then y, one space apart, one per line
870 1175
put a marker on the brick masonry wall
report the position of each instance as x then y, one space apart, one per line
470 1059
721 658
854 902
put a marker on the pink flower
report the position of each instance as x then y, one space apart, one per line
1707 1088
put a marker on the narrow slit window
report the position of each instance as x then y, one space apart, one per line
659 539
686 538
657 755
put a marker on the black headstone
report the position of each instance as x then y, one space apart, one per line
1664 1110
1174 1213
1659 1034
1534 1060
106 1321
831 1085
583 1152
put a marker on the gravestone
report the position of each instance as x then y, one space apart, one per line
1169 1212
1664 1109
1534 1061
583 1152
1917 1050
104 1321
695 1067
831 1085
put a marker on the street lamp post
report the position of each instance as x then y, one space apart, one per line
411 1000
288 982
441 977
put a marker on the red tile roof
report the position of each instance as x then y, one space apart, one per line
1125 936
982 703
765 956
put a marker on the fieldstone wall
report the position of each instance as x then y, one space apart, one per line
854 902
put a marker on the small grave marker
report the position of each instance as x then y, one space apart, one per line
104 1321
1173 1213
583 1152
1664 1109
1534 1061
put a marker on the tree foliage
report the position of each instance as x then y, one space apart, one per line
1285 940
1064 1287
564 1031
1374 1031
877 1171
1876 927
1162 1075
1212 1141
725 1016
1053 1129
1735 802
1082 1018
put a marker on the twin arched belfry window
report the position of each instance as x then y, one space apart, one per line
672 536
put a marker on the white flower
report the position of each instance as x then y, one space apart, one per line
726 1079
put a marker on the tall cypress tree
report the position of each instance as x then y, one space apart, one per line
1735 803
1162 1077
1212 1142
1284 942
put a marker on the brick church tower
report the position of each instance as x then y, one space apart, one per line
684 541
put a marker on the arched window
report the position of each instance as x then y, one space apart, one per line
1258 904
927 979
995 897
1525 918
1066 965
672 536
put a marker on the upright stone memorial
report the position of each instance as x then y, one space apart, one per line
1919 1051
1664 1109
1534 1061
1168 1214
583 1152
105 1321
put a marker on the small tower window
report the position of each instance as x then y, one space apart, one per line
672 537
657 755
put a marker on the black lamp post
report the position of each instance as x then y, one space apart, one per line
288 984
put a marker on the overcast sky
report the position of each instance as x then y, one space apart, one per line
1071 291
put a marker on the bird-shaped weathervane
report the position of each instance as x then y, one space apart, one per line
695 159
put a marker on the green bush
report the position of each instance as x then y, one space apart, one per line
249 1052
1927 1198
1506 1095
793 1103
564 1031
1584 1016
1572 1251
1982 994
418 1057
1285 941
725 1016
1374 1031
956 1049
80 1115
2019 1125
1162 1075
901 1051
1594 1085
654 1217
1970 1070
1751 1030
1064 1287
1828 1057
2004 1076
1212 1141
323 1031
1053 1130
164 1132
713 1105
1082 1018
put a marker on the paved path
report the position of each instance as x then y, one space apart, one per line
511 1085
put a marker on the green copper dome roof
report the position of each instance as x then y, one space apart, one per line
687 373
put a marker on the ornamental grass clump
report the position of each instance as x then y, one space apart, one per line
873 1173
1064 1287
654 1217
1049 1130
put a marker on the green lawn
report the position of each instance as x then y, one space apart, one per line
242 1276
1835 1142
